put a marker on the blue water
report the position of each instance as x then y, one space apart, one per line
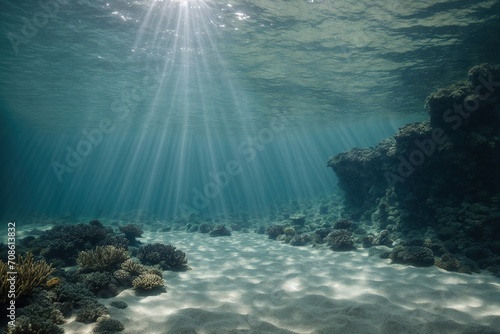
175 107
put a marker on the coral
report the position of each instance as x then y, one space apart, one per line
166 256
121 274
25 325
477 253
299 240
274 230
90 312
289 231
340 240
156 270
30 274
413 255
148 282
108 326
132 267
97 280
131 231
448 262
119 241
342 224
40 316
220 231
65 241
101 258
76 294
367 241
62 243
119 304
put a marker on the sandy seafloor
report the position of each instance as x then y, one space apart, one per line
247 283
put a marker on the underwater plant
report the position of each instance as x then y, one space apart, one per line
30 274
102 258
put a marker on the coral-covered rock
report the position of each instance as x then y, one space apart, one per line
108 326
289 231
40 316
97 280
167 256
131 231
417 256
91 312
448 262
299 239
274 231
440 174
340 240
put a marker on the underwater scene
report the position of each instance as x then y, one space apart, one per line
250 166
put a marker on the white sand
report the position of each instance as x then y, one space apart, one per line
247 283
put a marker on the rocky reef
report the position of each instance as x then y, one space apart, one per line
438 178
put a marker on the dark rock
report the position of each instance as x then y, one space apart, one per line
220 231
